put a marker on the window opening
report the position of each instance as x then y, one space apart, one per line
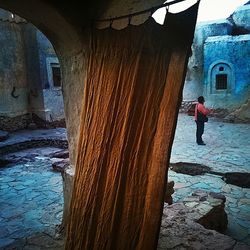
56 74
221 81
221 69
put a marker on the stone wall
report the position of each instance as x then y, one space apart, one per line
73 90
34 143
226 42
242 114
35 97
28 121
194 78
186 106
15 123
26 79
232 52
52 95
53 105
241 17
13 77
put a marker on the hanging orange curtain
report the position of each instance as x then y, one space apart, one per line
132 94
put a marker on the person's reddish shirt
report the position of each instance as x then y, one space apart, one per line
201 108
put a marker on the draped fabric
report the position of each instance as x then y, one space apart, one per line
132 94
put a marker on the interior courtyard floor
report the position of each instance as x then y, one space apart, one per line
31 198
227 149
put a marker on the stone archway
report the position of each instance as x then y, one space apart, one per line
66 42
64 25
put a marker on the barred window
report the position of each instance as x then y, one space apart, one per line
221 82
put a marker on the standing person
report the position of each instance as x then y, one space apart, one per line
200 119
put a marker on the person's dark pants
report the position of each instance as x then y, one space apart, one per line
199 131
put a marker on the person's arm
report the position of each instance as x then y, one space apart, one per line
201 108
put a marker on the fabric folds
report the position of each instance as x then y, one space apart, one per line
132 94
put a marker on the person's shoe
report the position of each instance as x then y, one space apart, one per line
201 143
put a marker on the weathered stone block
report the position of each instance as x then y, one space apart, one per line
180 231
60 165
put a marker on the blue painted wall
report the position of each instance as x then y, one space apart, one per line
221 41
234 50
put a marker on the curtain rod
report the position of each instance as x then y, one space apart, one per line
152 9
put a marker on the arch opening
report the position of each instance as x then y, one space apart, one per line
33 124
221 78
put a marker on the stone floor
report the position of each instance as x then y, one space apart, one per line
31 193
31 202
227 145
227 150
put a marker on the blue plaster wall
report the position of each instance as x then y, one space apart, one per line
234 50
226 41
193 86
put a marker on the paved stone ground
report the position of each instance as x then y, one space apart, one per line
31 202
227 150
31 198
31 193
